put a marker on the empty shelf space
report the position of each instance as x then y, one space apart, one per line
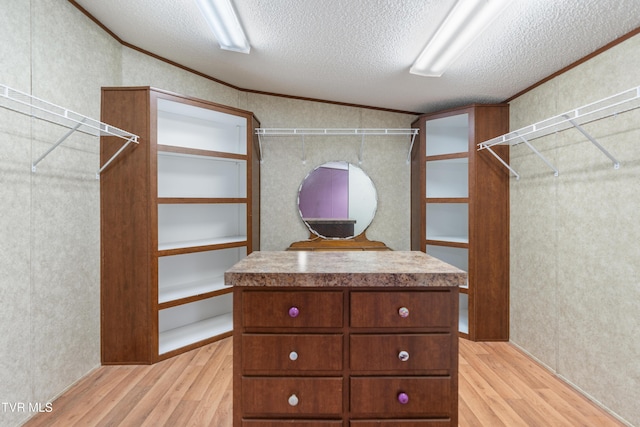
201 177
186 290
463 325
447 178
188 126
192 333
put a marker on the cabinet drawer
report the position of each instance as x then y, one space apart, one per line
304 309
291 353
274 397
378 396
401 353
403 423
290 423
394 309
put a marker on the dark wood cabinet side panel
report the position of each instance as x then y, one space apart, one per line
254 187
489 255
124 210
418 188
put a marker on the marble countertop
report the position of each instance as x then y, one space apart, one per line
343 268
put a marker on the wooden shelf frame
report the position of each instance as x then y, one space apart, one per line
606 107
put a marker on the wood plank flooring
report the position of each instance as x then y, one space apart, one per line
498 385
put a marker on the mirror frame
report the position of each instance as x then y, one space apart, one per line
349 166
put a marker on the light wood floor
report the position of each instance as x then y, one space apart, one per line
499 386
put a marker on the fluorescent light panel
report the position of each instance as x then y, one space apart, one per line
465 22
225 25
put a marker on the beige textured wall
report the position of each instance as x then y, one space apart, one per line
283 170
50 220
575 257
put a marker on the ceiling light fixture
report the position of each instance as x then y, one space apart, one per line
225 24
465 22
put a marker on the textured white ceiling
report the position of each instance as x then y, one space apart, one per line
360 51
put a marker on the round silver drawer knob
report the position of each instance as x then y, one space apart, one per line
293 400
293 356
403 312
403 356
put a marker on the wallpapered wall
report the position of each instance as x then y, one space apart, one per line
575 257
50 220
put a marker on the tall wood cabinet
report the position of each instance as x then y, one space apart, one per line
177 211
460 210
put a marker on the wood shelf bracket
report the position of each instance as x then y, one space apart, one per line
29 105
606 107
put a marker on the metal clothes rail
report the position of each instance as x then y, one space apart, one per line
24 103
302 132
607 107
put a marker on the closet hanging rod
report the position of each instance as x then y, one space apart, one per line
29 105
606 107
335 132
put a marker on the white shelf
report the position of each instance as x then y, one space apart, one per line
191 289
201 242
195 273
447 222
24 103
463 321
189 224
447 135
447 178
607 107
181 175
188 126
192 333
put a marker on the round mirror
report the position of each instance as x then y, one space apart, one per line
337 200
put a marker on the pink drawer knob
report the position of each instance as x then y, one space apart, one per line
403 312
293 312
403 398
403 356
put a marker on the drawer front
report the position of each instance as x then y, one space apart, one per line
304 309
291 397
399 309
376 397
401 353
291 353
404 423
290 423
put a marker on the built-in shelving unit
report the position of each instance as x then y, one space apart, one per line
362 133
607 107
30 105
192 215
457 198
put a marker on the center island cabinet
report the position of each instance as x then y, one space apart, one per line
349 338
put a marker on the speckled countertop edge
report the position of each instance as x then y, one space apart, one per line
342 269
